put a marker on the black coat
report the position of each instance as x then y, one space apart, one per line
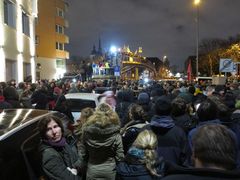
172 141
202 174
132 169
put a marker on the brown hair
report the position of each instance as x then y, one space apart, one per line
43 123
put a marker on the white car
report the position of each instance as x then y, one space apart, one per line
79 101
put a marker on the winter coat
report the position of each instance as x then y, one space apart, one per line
130 133
101 148
11 96
184 121
172 141
56 160
40 98
133 169
202 174
4 104
124 100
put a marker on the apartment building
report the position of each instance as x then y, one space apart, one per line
17 39
51 39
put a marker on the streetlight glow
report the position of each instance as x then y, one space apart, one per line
197 2
113 49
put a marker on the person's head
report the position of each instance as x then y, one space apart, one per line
163 106
143 98
179 106
51 128
214 146
103 116
85 114
136 112
146 142
207 110
104 107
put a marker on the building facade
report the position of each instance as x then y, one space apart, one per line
51 39
17 39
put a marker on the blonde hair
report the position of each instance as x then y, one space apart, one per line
103 116
147 141
85 114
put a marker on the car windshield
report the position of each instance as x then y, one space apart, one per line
10 119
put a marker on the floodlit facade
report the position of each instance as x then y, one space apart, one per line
17 39
51 39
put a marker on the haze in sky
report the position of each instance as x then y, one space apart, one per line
160 27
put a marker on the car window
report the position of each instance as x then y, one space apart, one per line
76 105
13 118
32 157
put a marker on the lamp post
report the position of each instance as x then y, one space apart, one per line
196 3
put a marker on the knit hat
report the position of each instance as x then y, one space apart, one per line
143 98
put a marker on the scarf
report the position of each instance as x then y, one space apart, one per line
60 143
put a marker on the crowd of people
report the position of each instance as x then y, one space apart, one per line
170 130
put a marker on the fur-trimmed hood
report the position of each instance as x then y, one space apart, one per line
97 136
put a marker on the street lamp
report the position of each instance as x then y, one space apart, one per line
196 3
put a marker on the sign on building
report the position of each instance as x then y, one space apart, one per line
226 65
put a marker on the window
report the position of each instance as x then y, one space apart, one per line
36 39
59 29
9 13
59 46
25 23
60 12
60 63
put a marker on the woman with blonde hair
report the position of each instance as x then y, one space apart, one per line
101 145
142 161
85 114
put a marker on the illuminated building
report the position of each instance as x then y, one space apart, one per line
51 39
17 39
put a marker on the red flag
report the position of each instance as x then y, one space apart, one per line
189 71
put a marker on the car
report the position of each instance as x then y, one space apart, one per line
19 141
79 101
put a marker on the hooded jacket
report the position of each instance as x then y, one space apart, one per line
172 140
100 148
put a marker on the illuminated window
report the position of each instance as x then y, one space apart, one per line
59 46
36 39
9 13
60 63
59 29
25 23
60 12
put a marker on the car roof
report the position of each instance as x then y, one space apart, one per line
12 120
88 96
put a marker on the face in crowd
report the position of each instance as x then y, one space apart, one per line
54 131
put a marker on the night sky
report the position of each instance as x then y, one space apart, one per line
160 27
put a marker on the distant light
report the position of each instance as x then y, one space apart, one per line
146 80
74 80
113 49
196 2
178 75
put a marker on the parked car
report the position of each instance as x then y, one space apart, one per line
79 101
19 140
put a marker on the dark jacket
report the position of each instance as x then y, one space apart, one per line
124 100
202 174
55 161
172 139
40 98
100 149
133 169
130 133
184 121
